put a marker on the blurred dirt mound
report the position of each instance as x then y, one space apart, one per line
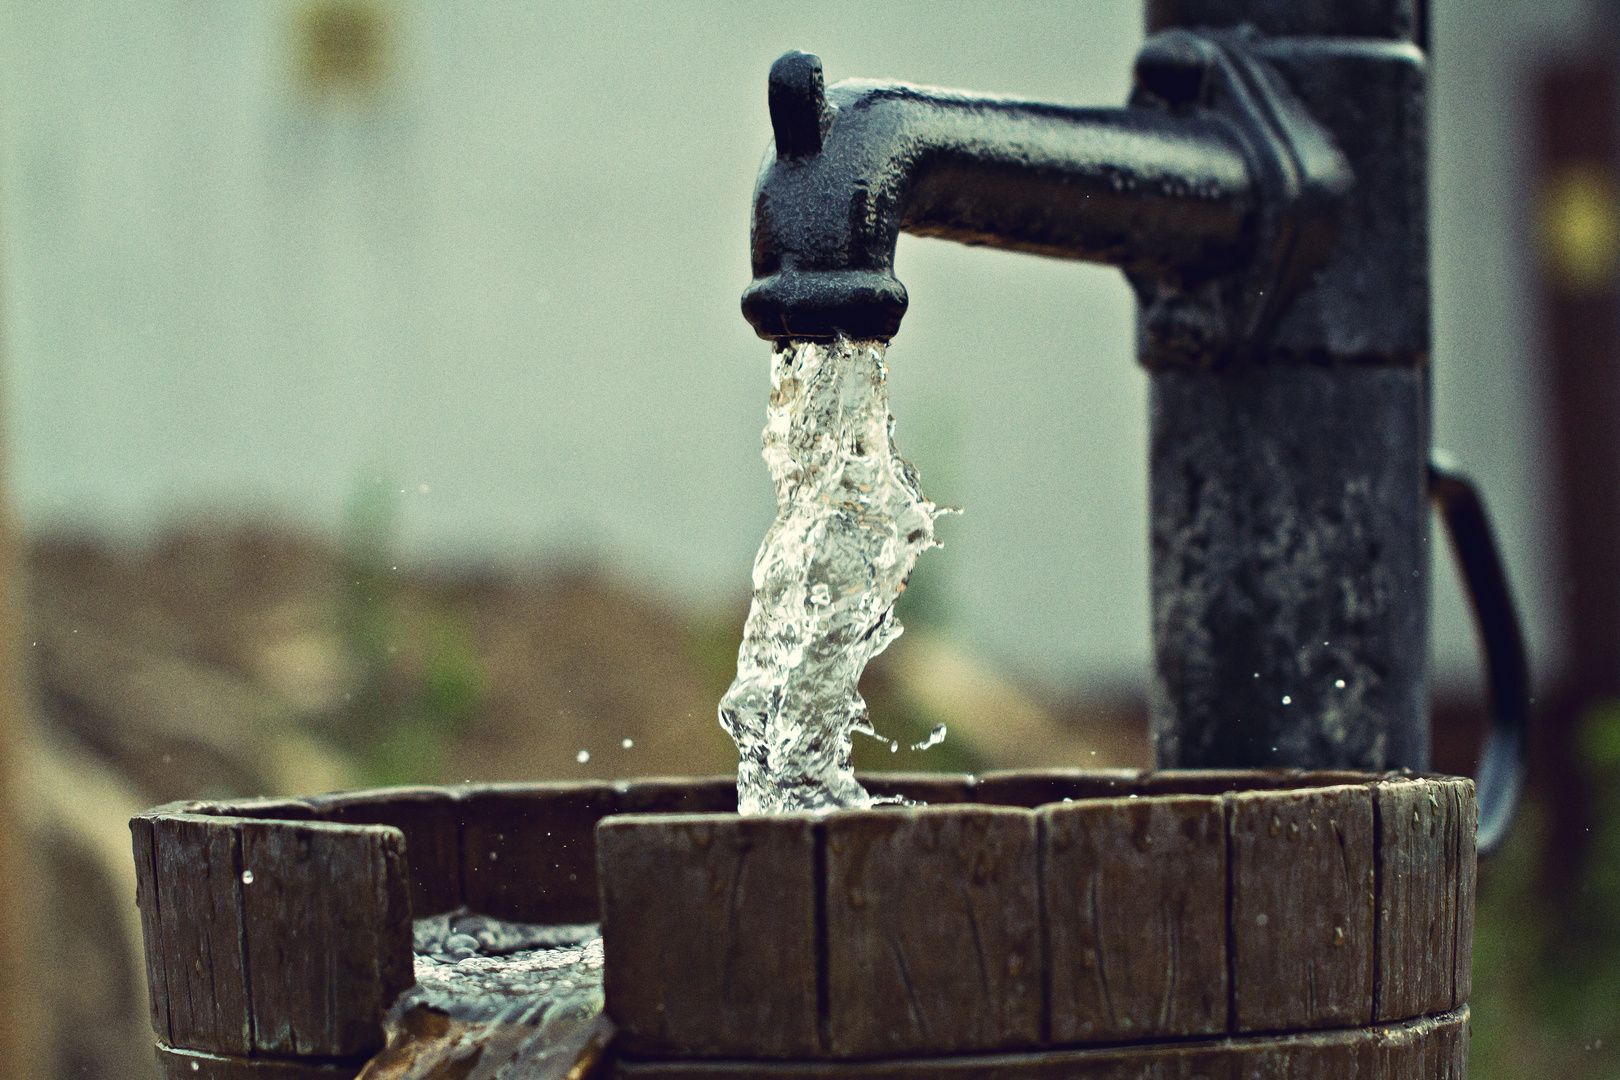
244 660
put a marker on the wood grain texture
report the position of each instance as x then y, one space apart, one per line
1432 1048
529 851
1417 898
935 789
1302 900
678 795
1467 814
199 914
157 986
932 940
328 934
1037 787
1134 897
176 1064
709 930
430 819
264 807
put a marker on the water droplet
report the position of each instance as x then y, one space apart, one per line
1339 683
628 743
935 737
894 746
247 877
1287 700
1260 919
583 756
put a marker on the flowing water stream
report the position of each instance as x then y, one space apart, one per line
850 523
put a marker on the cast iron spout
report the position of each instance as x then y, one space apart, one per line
1179 189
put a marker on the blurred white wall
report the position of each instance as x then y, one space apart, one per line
508 283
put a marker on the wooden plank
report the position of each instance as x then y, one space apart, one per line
1425 1049
199 908
1301 908
328 934
267 807
709 933
934 789
430 819
146 879
1037 787
176 1064
529 852
1134 893
678 795
1467 817
1417 900
1209 781
1223 781
932 931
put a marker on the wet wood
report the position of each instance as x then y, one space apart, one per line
959 928
1467 817
197 906
1302 908
678 795
174 1064
426 1044
528 850
935 789
1418 860
1432 1048
1133 894
328 935
932 940
1037 787
429 817
709 931
146 889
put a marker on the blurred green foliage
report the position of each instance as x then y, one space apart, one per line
418 679
1546 994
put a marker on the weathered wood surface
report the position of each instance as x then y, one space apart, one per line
1430 1048
430 1045
1467 817
199 912
528 852
1136 932
935 789
327 925
678 795
710 923
430 819
1419 860
1157 916
304 967
1302 904
176 1064
933 931
1037 787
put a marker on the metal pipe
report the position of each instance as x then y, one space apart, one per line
1146 190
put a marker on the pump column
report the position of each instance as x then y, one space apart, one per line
1289 508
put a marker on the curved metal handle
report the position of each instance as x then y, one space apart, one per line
1502 762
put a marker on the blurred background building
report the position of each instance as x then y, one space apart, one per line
378 409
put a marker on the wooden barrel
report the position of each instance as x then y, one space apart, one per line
1023 924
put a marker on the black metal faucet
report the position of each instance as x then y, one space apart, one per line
1264 192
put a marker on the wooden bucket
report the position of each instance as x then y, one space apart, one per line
1024 924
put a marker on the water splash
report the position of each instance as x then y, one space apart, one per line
850 523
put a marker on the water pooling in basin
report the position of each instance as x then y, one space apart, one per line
850 523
